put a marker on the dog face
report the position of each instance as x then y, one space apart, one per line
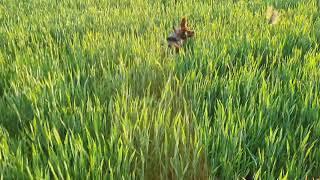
180 35
185 32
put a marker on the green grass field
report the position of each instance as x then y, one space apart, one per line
89 90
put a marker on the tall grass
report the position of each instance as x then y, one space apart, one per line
89 91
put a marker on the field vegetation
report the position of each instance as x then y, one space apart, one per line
89 90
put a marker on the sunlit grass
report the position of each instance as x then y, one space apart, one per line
88 89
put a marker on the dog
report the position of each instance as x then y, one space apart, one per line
180 35
272 15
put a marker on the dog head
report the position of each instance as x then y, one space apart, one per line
180 35
184 31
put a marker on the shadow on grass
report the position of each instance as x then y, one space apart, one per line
16 112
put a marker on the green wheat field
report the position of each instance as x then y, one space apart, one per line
90 90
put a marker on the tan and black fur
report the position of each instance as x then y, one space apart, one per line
179 35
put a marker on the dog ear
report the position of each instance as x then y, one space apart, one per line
175 30
183 23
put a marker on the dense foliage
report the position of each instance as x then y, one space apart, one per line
88 89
